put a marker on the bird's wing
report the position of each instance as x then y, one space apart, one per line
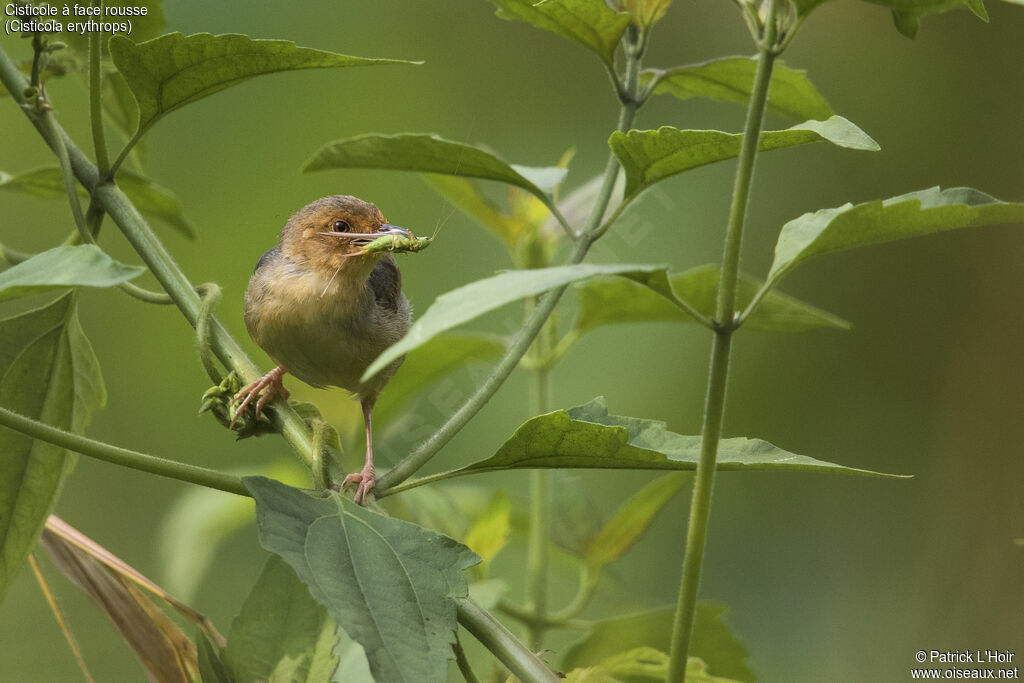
386 283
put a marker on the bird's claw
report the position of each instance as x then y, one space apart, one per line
265 387
363 481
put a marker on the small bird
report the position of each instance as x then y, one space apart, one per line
323 311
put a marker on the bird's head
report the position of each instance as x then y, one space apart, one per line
329 233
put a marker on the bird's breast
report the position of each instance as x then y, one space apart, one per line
323 332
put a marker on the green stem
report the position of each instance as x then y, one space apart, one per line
463 663
112 200
493 635
718 371
147 295
211 294
540 513
67 174
122 456
95 99
13 256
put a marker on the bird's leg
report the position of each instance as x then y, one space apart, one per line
366 478
269 385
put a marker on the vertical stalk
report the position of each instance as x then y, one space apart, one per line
95 100
540 501
718 367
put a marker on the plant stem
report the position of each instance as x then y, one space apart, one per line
463 663
122 456
540 506
718 370
493 635
95 100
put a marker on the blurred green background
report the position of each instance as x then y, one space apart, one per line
827 577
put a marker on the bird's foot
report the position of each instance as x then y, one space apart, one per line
265 388
363 481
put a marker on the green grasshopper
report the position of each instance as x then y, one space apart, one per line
396 243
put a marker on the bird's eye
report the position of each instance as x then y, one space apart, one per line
341 226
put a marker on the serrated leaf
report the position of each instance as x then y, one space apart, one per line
85 265
712 641
590 23
149 197
281 635
631 520
427 154
608 301
731 79
491 529
470 301
430 363
388 583
649 156
588 437
48 372
174 70
909 215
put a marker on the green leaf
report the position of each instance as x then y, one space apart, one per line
588 437
907 14
155 201
174 70
607 301
909 215
488 592
646 13
491 529
282 635
431 362
85 265
352 664
388 583
730 79
470 301
648 156
149 197
429 154
631 520
212 668
642 663
47 372
712 640
590 23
